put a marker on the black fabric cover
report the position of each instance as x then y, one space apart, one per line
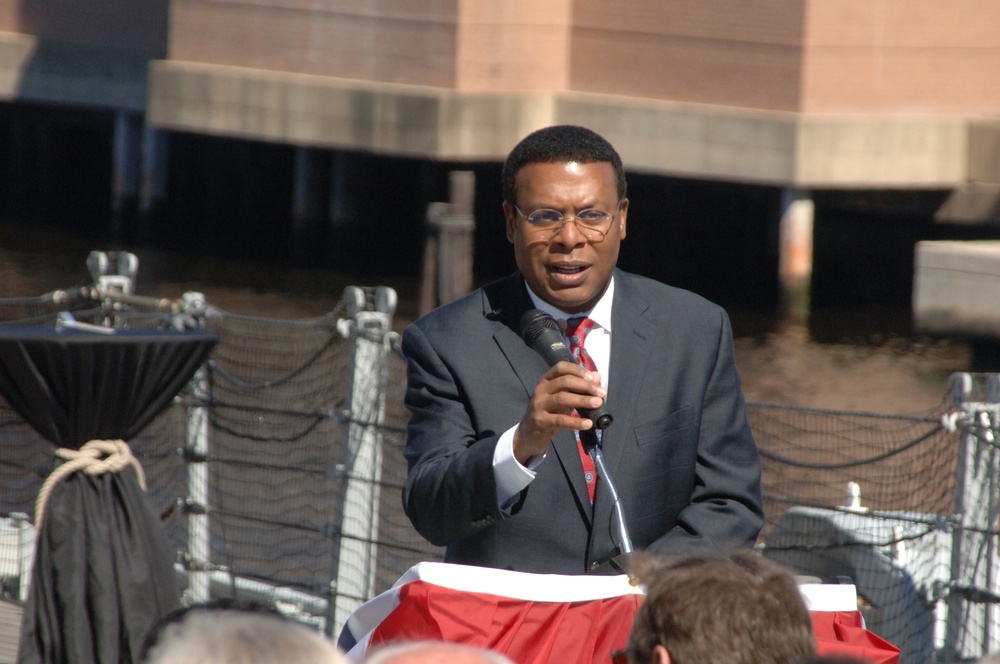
103 572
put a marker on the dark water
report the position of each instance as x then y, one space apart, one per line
35 260
845 357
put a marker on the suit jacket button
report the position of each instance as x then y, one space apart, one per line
594 565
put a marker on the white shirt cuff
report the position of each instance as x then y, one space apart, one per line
511 476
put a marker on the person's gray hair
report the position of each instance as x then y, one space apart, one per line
212 636
433 652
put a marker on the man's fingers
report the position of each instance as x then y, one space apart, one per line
569 377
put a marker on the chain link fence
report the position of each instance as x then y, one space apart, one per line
277 474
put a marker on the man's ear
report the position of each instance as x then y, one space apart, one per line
510 217
622 218
660 655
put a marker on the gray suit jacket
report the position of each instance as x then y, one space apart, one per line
679 450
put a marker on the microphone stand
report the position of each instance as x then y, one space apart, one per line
590 443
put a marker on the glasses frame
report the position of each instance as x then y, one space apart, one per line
584 229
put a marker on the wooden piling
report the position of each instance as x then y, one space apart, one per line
448 248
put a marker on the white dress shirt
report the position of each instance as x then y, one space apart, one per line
512 476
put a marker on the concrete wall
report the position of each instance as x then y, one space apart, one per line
813 56
456 44
10 15
515 46
901 56
682 50
110 24
804 93
708 142
746 54
68 52
956 288
380 40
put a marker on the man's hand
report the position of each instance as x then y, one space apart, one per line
564 388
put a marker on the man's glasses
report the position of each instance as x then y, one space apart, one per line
594 224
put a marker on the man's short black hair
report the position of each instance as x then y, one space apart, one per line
556 145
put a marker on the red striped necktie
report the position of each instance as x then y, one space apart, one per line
576 330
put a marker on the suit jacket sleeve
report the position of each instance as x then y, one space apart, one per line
450 490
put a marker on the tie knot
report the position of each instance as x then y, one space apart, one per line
577 328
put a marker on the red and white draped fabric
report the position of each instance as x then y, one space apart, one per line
839 627
531 618
553 619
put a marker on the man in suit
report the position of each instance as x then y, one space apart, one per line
495 468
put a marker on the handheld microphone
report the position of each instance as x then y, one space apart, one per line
540 331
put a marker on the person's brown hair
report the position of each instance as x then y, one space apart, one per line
737 608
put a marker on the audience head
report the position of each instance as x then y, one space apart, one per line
434 652
232 632
705 608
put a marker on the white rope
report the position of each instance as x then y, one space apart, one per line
94 458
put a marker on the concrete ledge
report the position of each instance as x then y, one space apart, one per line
685 140
15 53
984 149
887 152
956 288
327 112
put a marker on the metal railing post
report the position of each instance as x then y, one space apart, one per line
972 594
361 461
196 435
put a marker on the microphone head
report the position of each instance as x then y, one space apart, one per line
534 322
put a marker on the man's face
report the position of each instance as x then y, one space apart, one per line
566 270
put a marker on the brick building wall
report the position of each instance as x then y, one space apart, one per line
379 41
514 46
912 56
108 24
812 56
746 54
805 56
811 92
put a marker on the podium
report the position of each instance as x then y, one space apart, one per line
552 619
531 618
103 570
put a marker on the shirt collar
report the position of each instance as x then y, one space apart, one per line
600 313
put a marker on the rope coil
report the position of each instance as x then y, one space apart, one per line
96 457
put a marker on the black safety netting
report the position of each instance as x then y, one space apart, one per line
250 467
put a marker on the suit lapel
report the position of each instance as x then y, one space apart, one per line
505 302
631 340
567 450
